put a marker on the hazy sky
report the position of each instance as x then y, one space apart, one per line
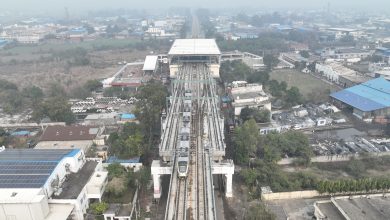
83 5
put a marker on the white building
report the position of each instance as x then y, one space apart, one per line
254 61
249 95
194 50
48 184
337 73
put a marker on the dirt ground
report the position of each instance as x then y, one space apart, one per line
30 68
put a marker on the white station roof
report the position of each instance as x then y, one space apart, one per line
150 63
194 47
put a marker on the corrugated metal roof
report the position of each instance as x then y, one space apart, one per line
194 47
369 96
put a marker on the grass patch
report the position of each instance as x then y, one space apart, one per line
58 47
308 85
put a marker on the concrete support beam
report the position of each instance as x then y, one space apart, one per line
229 188
156 186
225 168
158 168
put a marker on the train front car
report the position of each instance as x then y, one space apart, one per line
183 166
184 146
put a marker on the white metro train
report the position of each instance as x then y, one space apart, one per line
184 137
184 146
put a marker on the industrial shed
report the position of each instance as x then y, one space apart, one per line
368 100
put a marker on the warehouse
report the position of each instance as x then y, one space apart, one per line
368 100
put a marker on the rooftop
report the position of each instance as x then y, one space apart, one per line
75 182
194 47
29 168
150 63
69 133
369 96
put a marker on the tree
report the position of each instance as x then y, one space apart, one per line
259 77
260 116
98 208
34 93
80 92
245 141
304 53
89 28
115 170
56 108
152 97
250 176
116 186
293 96
270 61
92 85
277 89
56 90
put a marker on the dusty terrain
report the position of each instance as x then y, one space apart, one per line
33 66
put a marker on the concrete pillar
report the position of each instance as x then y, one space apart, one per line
229 188
157 186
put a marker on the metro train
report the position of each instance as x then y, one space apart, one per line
183 159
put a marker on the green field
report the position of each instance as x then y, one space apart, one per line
88 45
311 87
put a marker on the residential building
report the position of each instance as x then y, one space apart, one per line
352 55
71 137
248 95
48 184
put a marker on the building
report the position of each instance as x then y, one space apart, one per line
194 50
293 58
340 74
248 95
102 119
254 61
351 55
367 100
150 65
70 137
48 184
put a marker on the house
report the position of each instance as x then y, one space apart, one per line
71 137
248 95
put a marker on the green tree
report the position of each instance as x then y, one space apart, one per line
115 170
245 141
98 208
270 61
260 116
93 85
152 97
56 108
293 97
304 53
34 93
116 186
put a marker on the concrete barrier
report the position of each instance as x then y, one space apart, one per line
332 158
290 195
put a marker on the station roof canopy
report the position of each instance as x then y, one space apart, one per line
369 96
194 47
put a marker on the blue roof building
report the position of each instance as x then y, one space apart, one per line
368 99
128 116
